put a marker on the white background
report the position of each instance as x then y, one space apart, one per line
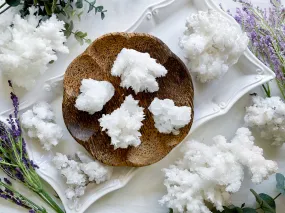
146 188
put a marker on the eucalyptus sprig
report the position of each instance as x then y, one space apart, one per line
81 37
265 202
65 10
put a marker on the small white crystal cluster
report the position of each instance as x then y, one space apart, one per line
212 44
267 115
94 95
169 118
138 70
79 173
40 124
27 46
212 173
123 124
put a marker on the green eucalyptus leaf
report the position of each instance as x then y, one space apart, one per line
67 34
62 3
269 200
80 34
232 209
79 15
71 25
68 29
79 4
102 15
99 8
230 206
48 8
91 5
53 7
249 210
280 179
13 3
238 210
88 41
79 39
73 13
90 8
263 203
67 10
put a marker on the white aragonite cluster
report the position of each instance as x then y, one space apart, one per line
212 44
212 173
169 118
28 45
40 124
267 115
94 95
123 124
137 70
79 172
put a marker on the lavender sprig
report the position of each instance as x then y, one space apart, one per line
15 162
8 193
266 30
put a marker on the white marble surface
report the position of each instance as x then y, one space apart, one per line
142 193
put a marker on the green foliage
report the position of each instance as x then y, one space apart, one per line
79 4
13 3
269 200
249 210
68 29
81 37
61 8
170 210
265 202
98 9
236 209
280 185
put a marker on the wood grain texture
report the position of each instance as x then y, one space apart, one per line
96 63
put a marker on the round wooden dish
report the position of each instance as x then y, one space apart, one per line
96 63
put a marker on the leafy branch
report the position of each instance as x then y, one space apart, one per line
81 37
59 8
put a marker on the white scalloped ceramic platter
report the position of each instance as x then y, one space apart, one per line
166 21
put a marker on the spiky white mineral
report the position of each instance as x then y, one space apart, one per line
138 70
169 118
27 45
212 173
212 44
40 124
94 95
79 172
267 115
123 124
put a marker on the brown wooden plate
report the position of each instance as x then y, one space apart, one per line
96 63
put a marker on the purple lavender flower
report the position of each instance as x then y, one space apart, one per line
7 181
15 162
266 30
